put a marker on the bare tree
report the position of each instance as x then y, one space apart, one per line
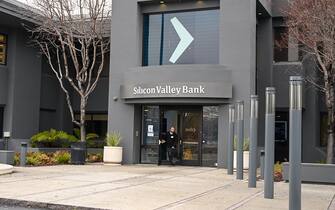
311 23
72 35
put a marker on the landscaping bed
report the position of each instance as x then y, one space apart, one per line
60 157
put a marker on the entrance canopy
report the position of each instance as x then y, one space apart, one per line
191 83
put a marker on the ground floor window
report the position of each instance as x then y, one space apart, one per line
196 128
96 123
281 136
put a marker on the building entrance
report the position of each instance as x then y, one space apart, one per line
195 139
187 122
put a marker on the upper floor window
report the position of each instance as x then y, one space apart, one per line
190 37
3 49
280 44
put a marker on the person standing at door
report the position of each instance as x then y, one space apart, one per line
172 141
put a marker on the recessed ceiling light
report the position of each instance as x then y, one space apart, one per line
162 2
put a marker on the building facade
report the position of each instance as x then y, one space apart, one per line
172 63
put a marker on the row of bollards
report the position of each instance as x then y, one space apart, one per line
236 129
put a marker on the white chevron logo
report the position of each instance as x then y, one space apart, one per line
185 40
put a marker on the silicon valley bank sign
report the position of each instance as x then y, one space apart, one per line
177 90
168 90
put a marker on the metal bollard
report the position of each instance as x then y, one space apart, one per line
240 139
295 143
23 153
230 153
262 163
269 142
253 142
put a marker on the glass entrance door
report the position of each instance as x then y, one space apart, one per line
191 136
197 134
187 122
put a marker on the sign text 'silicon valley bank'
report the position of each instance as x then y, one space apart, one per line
168 90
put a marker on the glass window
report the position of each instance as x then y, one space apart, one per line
149 144
3 49
161 37
281 136
96 123
210 135
280 44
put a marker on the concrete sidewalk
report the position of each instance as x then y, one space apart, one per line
151 187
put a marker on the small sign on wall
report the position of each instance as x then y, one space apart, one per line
150 131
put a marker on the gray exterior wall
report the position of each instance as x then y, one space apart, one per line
33 101
29 92
21 96
237 54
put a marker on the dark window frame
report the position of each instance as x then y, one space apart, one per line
145 32
90 120
280 54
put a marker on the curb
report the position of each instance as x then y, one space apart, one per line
41 205
6 169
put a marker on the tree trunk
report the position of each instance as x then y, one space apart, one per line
330 110
82 119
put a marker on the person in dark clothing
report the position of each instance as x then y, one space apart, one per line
171 143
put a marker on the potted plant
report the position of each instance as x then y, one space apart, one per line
113 152
246 153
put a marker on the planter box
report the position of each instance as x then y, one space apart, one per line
112 155
313 172
245 160
7 157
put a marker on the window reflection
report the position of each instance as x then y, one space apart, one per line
149 146
210 135
3 48
161 39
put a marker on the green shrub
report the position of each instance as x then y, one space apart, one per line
278 172
61 157
39 159
94 157
92 139
53 138
17 159
113 139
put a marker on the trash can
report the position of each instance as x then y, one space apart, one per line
78 153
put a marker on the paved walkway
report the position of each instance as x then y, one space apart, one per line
151 187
